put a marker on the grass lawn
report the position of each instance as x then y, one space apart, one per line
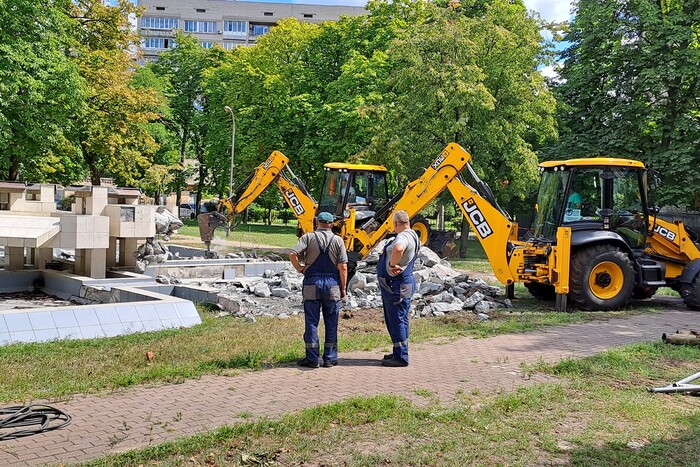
597 412
228 345
274 235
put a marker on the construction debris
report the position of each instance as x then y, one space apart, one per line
440 290
682 338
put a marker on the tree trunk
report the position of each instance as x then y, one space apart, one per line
13 172
464 237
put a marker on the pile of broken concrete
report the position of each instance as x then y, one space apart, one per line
440 290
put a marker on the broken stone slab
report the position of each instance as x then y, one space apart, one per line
443 307
230 303
482 316
482 307
280 292
358 282
262 290
429 288
472 300
445 297
250 318
428 257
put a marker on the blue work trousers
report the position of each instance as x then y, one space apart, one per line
396 300
323 296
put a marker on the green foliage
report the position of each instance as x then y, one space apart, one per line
40 84
629 89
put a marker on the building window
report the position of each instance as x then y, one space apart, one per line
207 45
157 43
154 22
229 45
160 8
260 29
235 27
268 13
200 26
308 15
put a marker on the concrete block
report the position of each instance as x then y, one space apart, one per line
107 315
147 313
111 330
127 314
5 338
152 325
3 326
46 335
69 333
64 319
22 336
166 311
41 320
92 332
17 322
86 317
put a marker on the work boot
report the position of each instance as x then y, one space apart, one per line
388 356
329 363
394 362
307 363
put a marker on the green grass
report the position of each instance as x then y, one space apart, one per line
597 413
273 235
475 260
227 345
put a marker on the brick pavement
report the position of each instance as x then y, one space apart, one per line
144 416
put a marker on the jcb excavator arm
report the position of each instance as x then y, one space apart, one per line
274 169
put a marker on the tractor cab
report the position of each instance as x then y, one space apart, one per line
360 187
592 195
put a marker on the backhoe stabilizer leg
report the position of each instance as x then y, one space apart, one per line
562 302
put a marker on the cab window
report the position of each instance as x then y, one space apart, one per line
584 199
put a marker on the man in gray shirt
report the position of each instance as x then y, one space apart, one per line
395 276
325 272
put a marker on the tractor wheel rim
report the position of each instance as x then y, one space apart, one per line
422 232
606 280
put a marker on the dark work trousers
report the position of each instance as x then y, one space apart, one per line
396 300
321 294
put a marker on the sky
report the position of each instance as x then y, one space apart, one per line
551 10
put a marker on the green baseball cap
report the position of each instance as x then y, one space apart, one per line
326 217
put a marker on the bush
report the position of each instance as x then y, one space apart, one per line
66 202
286 215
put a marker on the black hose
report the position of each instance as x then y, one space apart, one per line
42 418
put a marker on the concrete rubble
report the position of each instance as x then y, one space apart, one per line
440 290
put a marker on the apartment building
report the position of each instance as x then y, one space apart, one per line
229 23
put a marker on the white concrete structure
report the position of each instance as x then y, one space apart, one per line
104 227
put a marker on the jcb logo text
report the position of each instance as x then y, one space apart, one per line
664 232
294 202
267 163
436 163
482 227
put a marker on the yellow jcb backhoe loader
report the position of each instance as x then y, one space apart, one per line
593 240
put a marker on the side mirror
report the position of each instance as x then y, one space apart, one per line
654 210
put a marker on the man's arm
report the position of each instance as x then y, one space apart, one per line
294 258
343 272
396 255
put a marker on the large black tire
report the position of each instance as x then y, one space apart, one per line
541 291
691 294
422 227
643 292
601 278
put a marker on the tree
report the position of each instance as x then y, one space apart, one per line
472 80
40 88
111 128
630 88
183 69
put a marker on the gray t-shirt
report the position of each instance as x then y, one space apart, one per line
409 239
308 251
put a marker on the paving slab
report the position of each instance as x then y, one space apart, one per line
149 415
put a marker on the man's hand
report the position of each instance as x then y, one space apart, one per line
395 270
343 293
300 268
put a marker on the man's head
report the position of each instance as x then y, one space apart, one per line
325 219
401 220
